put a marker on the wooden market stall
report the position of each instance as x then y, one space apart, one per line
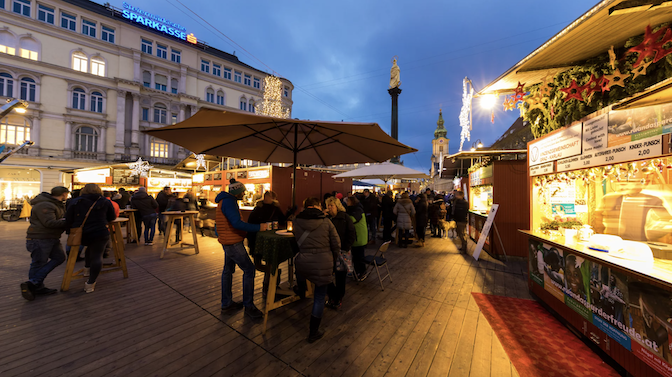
114 177
599 242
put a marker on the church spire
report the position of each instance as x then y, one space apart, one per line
440 131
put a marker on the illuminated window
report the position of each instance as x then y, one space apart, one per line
146 46
173 86
78 99
68 21
158 148
45 14
27 89
216 69
227 73
205 66
80 62
98 66
14 132
175 56
160 113
248 80
6 85
210 95
162 51
29 48
86 140
7 42
257 83
89 28
108 34
243 104
160 82
32 55
22 7
238 76
97 102
220 97
146 79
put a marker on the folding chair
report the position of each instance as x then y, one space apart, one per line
377 261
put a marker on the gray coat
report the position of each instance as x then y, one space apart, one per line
404 210
319 250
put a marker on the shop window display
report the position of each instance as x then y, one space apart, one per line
17 185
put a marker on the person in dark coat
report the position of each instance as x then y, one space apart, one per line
460 209
43 240
162 199
387 211
266 210
434 213
178 205
421 208
125 198
146 206
319 245
95 233
347 234
370 203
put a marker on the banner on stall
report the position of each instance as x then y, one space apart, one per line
632 312
631 125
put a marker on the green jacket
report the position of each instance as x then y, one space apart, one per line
357 215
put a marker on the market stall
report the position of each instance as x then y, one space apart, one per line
114 177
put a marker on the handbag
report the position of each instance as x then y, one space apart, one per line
75 236
344 262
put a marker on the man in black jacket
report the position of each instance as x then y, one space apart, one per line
370 204
460 210
146 206
43 240
162 200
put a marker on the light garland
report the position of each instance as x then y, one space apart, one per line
200 161
272 105
465 112
140 167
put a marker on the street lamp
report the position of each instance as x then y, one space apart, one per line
13 104
476 145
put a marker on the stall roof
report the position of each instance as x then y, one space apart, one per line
483 153
609 23
655 95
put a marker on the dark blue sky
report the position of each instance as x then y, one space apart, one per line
338 54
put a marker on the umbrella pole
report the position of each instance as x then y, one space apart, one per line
296 151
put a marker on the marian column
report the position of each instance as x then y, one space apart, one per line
394 91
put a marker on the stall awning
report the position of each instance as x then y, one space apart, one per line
656 95
609 23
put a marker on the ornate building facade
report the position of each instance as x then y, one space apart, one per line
439 146
95 76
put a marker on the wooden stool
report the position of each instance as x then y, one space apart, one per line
170 221
119 264
131 225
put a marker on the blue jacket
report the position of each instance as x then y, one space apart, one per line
232 213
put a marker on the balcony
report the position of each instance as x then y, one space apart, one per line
161 160
85 155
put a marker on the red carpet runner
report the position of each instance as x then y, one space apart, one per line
536 342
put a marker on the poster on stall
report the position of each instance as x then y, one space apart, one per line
633 313
640 123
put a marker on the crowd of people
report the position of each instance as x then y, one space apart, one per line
331 234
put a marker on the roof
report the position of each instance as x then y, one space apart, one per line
516 137
115 13
609 23
440 130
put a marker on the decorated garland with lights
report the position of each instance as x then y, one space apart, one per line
465 123
603 80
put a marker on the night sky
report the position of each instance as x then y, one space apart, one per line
338 54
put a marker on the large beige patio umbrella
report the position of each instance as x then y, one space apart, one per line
262 138
385 171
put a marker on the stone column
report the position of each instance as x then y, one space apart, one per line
135 127
102 143
180 115
67 149
394 93
35 130
120 125
137 74
182 87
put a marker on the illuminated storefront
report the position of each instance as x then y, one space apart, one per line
17 185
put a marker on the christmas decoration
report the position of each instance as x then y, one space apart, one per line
509 103
536 101
615 79
545 88
519 93
612 57
272 105
139 168
640 70
573 91
652 45
465 111
200 161
593 85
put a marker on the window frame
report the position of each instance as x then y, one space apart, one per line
222 97
90 27
97 102
46 11
7 88
257 83
4 131
79 99
146 45
158 148
227 73
30 89
238 76
210 95
160 113
91 144
205 66
23 6
175 56
83 61
216 69
70 19
161 51
247 79
98 64
107 34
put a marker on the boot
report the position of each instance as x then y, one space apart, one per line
300 289
315 332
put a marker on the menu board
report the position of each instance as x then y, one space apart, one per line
561 144
542 169
631 125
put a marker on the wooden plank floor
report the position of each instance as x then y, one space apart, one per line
164 320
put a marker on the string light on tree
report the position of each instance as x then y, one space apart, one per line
465 112
140 167
272 105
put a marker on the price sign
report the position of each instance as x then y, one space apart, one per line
542 169
640 149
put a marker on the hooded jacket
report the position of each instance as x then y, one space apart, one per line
95 226
358 218
145 204
46 217
404 210
229 226
319 250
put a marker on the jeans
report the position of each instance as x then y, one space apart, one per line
319 294
150 226
237 255
47 254
93 257
372 225
461 233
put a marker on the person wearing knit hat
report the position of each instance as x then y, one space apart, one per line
231 231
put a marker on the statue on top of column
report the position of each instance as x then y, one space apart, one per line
395 81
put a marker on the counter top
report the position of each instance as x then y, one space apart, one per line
660 271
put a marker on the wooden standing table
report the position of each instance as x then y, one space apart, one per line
131 225
171 216
119 264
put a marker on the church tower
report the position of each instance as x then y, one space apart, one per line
439 145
